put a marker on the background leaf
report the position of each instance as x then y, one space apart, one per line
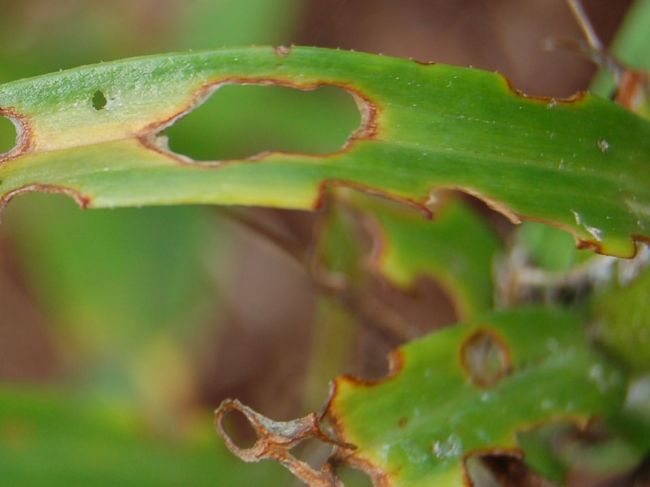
47 439
418 426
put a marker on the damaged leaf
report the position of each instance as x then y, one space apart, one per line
457 250
580 164
466 392
275 439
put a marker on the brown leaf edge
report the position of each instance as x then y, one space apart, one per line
275 439
369 129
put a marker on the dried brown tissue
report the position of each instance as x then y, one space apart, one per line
276 439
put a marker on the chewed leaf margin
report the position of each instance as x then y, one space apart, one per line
580 164
410 432
432 415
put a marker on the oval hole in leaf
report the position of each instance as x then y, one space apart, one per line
353 477
240 121
99 100
8 135
485 358
239 429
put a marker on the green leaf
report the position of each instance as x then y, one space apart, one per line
622 320
468 390
49 438
580 164
457 250
549 248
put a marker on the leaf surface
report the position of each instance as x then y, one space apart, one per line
422 424
581 164
457 250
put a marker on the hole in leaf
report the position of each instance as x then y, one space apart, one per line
239 429
566 450
313 452
8 135
99 100
502 470
352 477
240 121
485 358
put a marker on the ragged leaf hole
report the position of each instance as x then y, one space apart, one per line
239 429
240 121
502 470
313 451
485 358
352 477
99 100
8 135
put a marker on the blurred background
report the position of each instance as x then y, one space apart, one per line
121 330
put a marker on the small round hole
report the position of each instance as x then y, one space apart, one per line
353 477
485 358
239 429
99 100
8 135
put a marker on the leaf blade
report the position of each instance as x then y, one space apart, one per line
419 425
579 164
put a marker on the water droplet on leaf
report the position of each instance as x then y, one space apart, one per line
452 447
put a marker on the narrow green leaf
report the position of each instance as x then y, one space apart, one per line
580 164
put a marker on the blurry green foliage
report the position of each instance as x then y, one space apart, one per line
58 438
622 316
